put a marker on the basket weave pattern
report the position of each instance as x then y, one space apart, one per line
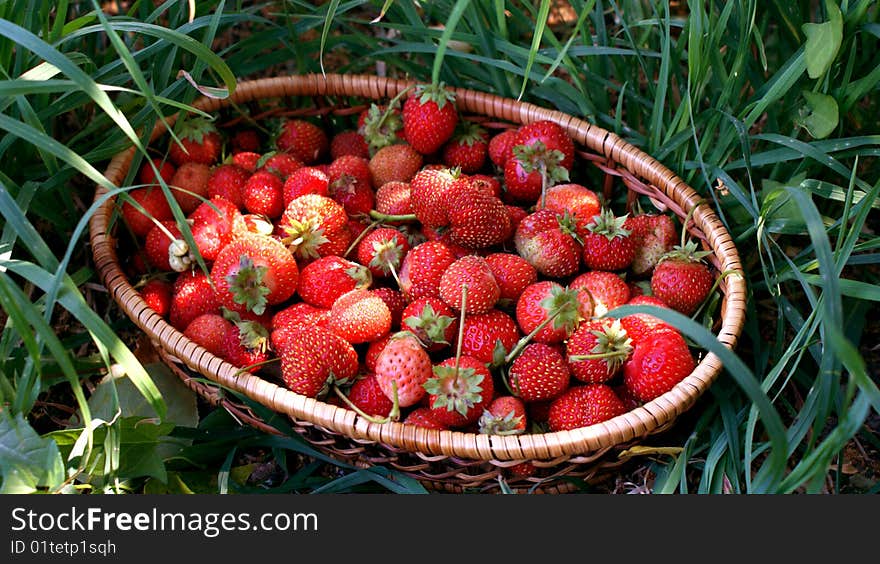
445 460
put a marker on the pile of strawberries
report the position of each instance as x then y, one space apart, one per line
413 266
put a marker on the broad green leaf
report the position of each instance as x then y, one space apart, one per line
823 41
28 463
821 114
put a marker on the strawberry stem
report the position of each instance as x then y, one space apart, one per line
359 411
460 330
385 218
360 237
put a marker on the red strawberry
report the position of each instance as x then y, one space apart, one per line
654 236
359 316
227 180
299 313
513 274
263 194
543 154
576 199
640 325
548 243
246 159
147 175
547 303
500 147
323 280
394 198
191 296
467 149
430 189
245 140
351 185
682 279
199 142
304 140
552 135
658 363
432 321
539 373
506 415
607 290
459 391
312 358
395 301
395 163
482 289
489 336
429 118
153 202
305 180
607 244
424 417
486 183
476 219
280 163
253 272
191 183
349 143
157 294
582 406
402 368
383 251
604 338
373 351
214 224
166 250
245 344
209 330
367 396
423 267
313 226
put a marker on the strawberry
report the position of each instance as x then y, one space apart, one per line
682 279
280 163
157 294
482 289
209 330
513 274
303 139
424 417
312 358
245 140
190 182
147 174
552 135
351 185
263 194
359 316
313 226
543 155
214 224
597 349
459 391
606 290
191 296
366 394
383 251
432 321
299 313
500 147
305 180
246 159
227 180
423 267
373 351
467 149
505 415
488 336
576 199
381 126
429 118
402 368
395 163
323 280
476 219
654 236
658 363
199 142
607 244
582 406
548 310
394 198
166 250
155 207
486 183
253 272
395 301
349 143
245 343
430 189
548 243
539 373
640 325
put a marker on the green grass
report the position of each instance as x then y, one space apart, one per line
776 101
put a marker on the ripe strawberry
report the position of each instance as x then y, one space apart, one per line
506 415
682 279
380 126
303 139
299 313
351 185
658 363
402 368
214 224
253 272
246 159
191 296
482 289
467 149
539 373
429 118
604 338
489 336
552 135
313 226
359 316
323 280
209 330
227 180
430 189
157 294
373 351
147 174
191 183
280 163
312 358
640 325
199 142
459 391
432 321
305 180
607 244
500 147
543 155
548 243
488 184
395 301
424 417
606 290
263 194
159 252
349 143
395 163
547 303
245 343
366 394
513 274
654 236
383 251
245 140
582 406
153 201
576 199
394 198
476 219
423 267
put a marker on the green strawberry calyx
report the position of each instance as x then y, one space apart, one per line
686 253
536 157
303 238
507 424
194 128
430 326
469 133
361 275
252 335
381 127
609 225
387 255
562 307
455 388
247 287
437 93
613 345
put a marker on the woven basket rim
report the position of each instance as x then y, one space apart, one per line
634 424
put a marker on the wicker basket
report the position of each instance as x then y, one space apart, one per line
451 461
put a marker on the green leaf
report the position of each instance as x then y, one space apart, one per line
823 41
821 114
779 214
28 462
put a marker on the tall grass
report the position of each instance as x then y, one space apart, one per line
767 109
